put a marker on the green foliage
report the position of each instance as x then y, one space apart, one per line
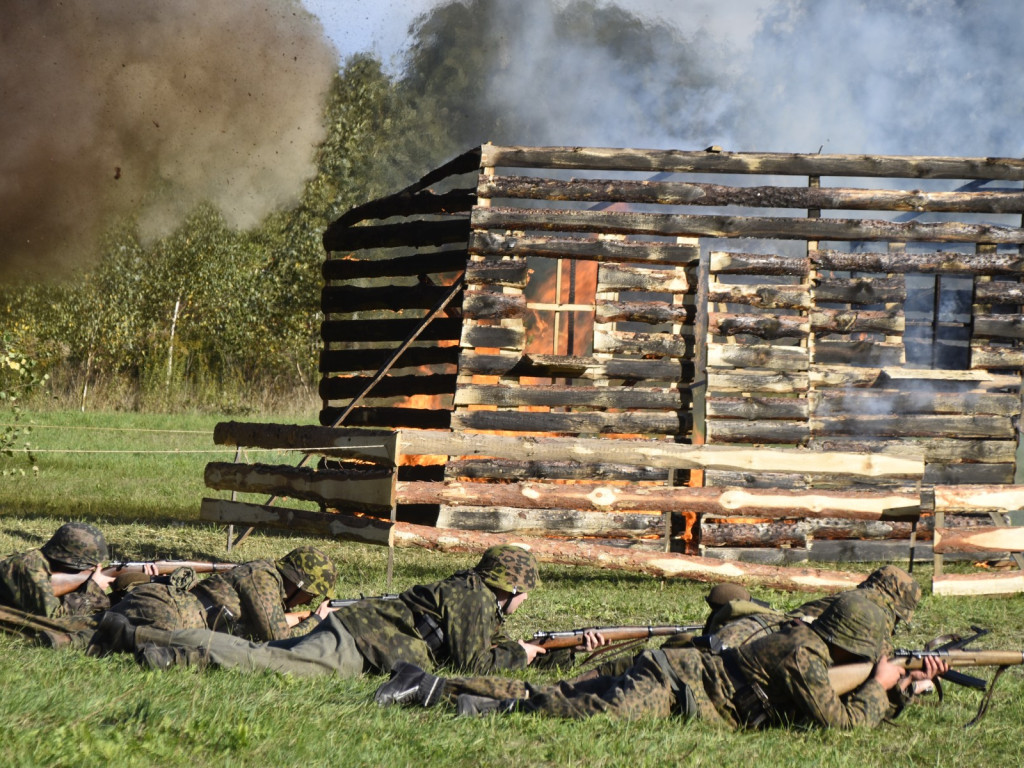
19 375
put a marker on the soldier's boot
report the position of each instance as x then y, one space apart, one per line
162 657
410 685
115 633
468 705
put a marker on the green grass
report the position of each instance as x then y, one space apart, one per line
65 709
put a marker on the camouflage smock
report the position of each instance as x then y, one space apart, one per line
251 602
167 604
791 666
25 583
463 607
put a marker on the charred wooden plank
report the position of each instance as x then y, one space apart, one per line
785 432
376 446
799 532
416 234
936 262
896 402
844 376
414 418
486 305
626 277
764 296
731 263
645 344
918 425
688 225
352 360
891 322
762 326
692 193
969 473
338 387
585 249
988 326
758 356
364 490
676 161
563 366
336 299
508 469
991 357
855 505
860 290
419 264
650 312
494 337
595 422
555 396
365 530
547 522
998 292
756 407
385 329
866 353
512 272
404 203
659 453
746 381
981 540
939 450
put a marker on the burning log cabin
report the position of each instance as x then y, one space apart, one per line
563 337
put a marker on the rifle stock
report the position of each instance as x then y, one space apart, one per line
574 637
63 583
846 677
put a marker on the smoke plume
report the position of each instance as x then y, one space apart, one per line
118 107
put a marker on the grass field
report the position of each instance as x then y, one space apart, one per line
65 709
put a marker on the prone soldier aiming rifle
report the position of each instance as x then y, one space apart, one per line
63 583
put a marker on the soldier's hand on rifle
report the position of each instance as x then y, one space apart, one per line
532 651
921 678
324 609
150 570
101 578
887 673
592 641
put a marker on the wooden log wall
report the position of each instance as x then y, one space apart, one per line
390 264
804 319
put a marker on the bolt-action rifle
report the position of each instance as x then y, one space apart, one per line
846 677
615 636
63 583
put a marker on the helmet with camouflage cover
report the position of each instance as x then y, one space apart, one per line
509 568
855 624
76 546
899 591
309 569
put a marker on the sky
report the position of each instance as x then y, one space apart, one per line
380 26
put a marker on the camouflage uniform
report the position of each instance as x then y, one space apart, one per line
455 622
781 678
25 579
248 601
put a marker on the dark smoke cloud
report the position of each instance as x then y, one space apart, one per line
114 107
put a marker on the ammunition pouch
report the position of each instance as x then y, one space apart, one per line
429 631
